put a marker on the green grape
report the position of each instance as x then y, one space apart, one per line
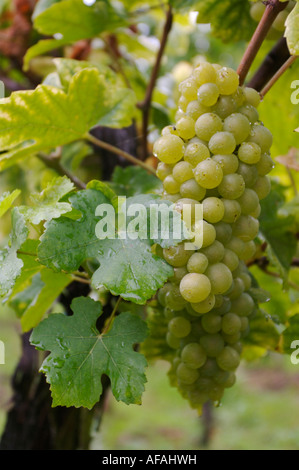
209 234
246 228
220 278
232 210
230 259
208 174
208 94
249 201
257 10
239 97
171 197
195 287
169 130
188 88
185 127
228 163
172 341
249 174
179 327
196 152
169 148
262 187
186 374
252 96
212 344
232 186
178 274
280 20
231 340
223 143
231 323
211 323
243 305
238 288
238 125
170 185
192 190
183 103
265 165
246 279
250 112
176 256
182 172
204 306
227 81
163 170
261 136
223 232
214 252
205 73
193 355
207 125
225 106
236 245
225 306
174 300
196 109
249 152
228 359
231 380
197 263
213 209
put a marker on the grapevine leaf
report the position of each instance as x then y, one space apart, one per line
290 334
278 232
230 19
10 264
41 6
263 332
292 31
52 284
47 117
67 243
72 20
127 267
80 355
7 200
134 180
46 206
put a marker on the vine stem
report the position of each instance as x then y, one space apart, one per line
117 151
55 164
271 12
145 105
278 74
108 324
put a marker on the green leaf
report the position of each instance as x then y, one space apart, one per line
230 19
81 355
278 232
72 20
10 264
7 200
41 6
290 334
127 267
46 206
47 117
51 286
292 31
263 332
133 180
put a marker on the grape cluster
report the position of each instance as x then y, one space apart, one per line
216 155
257 10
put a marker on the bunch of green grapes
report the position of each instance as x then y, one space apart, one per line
257 10
217 157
